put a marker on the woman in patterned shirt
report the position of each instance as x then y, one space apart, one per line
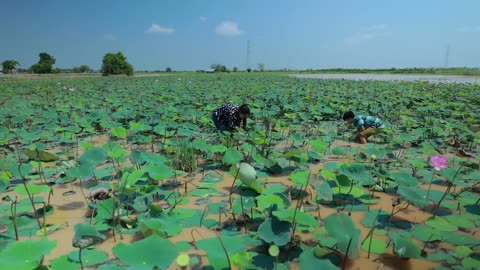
367 125
228 117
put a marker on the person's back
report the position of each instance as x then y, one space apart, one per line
367 121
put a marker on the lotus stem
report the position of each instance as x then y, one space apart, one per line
231 188
29 195
450 184
243 212
80 257
13 210
299 204
225 250
346 254
203 215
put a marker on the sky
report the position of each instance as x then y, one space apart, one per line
194 34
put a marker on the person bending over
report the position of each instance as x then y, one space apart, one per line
366 125
228 117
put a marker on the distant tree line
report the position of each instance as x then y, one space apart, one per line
112 64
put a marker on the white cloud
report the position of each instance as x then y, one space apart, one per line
109 37
369 33
377 27
155 28
228 28
203 18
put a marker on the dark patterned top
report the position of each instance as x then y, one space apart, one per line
227 114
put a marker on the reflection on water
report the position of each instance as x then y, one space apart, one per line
394 77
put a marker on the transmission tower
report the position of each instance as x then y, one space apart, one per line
248 55
447 55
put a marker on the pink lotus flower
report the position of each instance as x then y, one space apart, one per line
438 162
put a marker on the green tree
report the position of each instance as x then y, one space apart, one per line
219 68
116 63
234 69
82 69
168 69
8 66
45 64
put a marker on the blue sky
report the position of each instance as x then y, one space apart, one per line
193 34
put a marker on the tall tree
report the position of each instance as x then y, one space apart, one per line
9 65
116 63
45 64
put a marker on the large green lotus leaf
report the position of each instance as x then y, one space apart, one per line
165 226
462 251
232 156
318 145
460 239
441 256
300 177
342 228
425 233
355 171
355 191
3 185
247 175
216 253
159 172
404 179
32 188
63 263
324 191
376 151
275 231
83 171
472 262
414 195
308 261
86 235
377 246
405 248
89 256
266 201
301 218
339 151
93 156
43 156
248 204
140 157
119 132
272 188
460 220
441 224
25 254
150 252
376 217
343 180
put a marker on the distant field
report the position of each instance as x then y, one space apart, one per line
131 171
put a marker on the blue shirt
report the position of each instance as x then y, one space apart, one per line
367 121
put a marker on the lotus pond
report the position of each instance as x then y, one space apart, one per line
129 173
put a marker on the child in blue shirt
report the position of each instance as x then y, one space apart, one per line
366 125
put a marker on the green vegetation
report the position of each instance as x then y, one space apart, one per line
155 180
116 64
44 65
9 65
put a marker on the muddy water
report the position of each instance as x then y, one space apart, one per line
394 77
70 210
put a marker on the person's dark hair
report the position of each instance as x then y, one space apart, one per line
244 109
348 115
